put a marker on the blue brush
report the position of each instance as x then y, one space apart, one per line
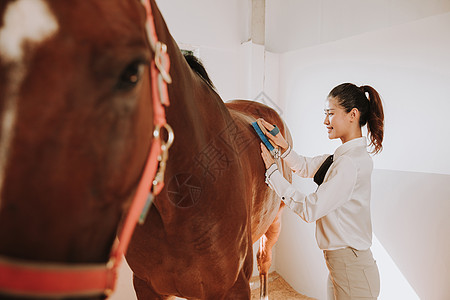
264 139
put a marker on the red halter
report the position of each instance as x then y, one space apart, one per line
52 280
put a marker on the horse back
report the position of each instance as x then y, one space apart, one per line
265 204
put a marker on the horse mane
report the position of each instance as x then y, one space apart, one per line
198 67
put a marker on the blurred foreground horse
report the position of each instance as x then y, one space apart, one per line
83 131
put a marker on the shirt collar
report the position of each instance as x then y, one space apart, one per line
358 142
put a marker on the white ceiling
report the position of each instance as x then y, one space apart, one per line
289 24
294 24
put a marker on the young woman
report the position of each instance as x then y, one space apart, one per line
341 205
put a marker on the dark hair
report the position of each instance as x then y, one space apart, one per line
350 96
198 67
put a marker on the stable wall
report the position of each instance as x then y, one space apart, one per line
409 65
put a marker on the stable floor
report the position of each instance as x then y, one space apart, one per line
279 289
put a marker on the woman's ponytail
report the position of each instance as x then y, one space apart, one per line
375 118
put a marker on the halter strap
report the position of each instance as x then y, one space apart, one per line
52 280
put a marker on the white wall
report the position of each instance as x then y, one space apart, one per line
217 35
409 65
410 218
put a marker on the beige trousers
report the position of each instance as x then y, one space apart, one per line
353 275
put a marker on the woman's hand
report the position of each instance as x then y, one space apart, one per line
266 156
277 139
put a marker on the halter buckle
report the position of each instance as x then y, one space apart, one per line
161 61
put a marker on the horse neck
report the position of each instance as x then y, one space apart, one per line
196 110
196 113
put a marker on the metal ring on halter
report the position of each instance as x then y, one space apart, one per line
162 158
170 137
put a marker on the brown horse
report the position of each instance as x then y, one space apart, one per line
76 121
197 240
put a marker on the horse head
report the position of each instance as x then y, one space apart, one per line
75 125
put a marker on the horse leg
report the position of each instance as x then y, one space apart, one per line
264 255
241 288
145 291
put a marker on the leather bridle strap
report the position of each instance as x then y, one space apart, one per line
52 280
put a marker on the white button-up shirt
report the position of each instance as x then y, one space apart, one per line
341 205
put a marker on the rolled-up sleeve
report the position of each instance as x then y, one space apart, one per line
334 192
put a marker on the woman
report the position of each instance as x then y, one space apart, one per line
341 205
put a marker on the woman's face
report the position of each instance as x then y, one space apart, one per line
337 121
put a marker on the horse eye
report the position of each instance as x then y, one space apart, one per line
130 76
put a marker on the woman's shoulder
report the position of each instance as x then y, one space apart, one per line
358 157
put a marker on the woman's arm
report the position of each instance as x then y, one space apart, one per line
302 165
334 192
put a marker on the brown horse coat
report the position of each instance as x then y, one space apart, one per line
197 240
81 129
